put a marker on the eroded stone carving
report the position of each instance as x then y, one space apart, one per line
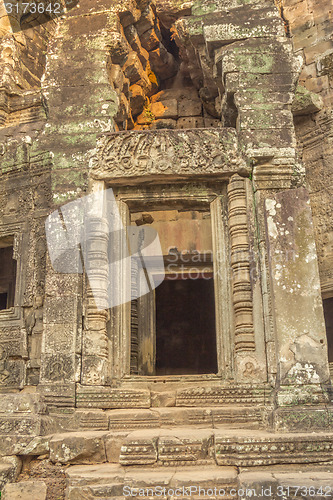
215 396
168 153
240 263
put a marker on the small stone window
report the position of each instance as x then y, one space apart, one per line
7 273
173 327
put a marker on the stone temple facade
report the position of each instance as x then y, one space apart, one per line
211 121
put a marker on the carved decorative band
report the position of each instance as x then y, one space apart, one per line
181 153
240 264
255 395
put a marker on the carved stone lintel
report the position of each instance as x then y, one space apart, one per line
180 153
240 263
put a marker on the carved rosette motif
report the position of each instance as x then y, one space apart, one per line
240 264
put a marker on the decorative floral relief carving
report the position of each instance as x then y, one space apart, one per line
168 152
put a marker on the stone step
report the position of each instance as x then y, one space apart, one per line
19 425
108 481
131 419
225 446
25 489
195 394
186 446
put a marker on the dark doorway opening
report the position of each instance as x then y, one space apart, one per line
3 300
328 313
7 276
185 327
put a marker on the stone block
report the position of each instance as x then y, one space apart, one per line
139 448
163 123
11 444
92 420
117 77
263 100
26 489
245 448
318 480
190 122
105 397
137 99
251 82
78 448
58 367
212 122
10 467
82 475
59 393
150 39
209 477
165 398
240 24
146 21
20 424
37 446
132 37
162 63
198 417
208 151
303 393
263 119
60 309
189 107
295 286
130 15
220 396
313 52
165 109
185 447
132 68
91 492
22 403
263 483
306 102
255 417
132 419
58 339
273 138
113 444
302 419
119 48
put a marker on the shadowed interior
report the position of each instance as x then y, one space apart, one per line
185 327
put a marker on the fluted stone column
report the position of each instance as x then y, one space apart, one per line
95 352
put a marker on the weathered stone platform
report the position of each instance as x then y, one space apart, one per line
111 481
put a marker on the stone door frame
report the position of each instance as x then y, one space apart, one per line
117 326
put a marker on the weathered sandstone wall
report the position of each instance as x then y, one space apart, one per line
310 24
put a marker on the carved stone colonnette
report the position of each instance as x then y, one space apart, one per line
240 263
